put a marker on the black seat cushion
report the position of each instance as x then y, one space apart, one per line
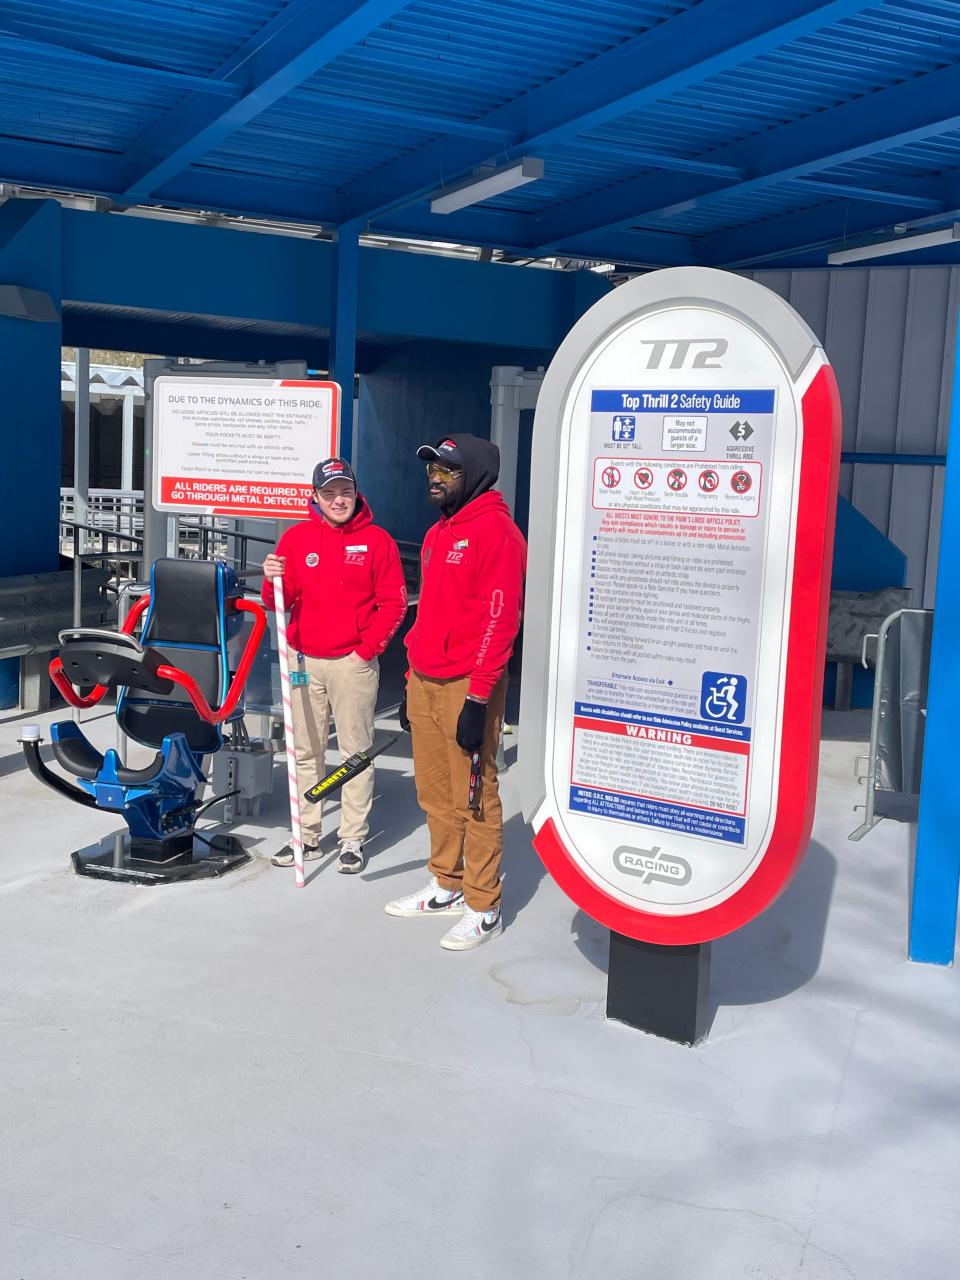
78 756
140 777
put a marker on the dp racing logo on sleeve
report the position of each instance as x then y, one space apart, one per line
652 864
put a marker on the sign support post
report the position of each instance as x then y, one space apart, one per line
687 450
662 990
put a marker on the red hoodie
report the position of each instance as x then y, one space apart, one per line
473 565
343 585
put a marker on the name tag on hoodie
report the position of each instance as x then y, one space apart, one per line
357 554
351 551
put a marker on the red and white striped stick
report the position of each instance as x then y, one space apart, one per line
288 731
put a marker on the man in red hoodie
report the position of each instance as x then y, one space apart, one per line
473 564
343 584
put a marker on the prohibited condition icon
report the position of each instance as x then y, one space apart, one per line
741 481
643 478
677 479
610 477
709 480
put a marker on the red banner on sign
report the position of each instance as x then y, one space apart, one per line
253 498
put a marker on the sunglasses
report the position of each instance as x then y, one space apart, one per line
437 471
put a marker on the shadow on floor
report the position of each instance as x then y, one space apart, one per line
772 955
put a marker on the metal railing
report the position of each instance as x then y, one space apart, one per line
891 770
127 562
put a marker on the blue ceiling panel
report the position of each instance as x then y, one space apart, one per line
663 125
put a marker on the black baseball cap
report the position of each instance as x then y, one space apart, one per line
443 451
333 469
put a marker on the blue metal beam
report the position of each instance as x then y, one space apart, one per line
215 191
708 38
42 164
928 196
490 228
908 112
343 329
301 39
514 232
178 274
936 868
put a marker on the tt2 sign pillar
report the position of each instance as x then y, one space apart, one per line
686 454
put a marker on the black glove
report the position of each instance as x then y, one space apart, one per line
402 713
473 717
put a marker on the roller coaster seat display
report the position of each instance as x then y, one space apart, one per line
174 691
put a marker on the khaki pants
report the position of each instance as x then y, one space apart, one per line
465 846
349 690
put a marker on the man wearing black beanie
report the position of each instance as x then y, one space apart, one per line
473 563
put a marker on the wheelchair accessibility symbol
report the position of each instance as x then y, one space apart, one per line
723 697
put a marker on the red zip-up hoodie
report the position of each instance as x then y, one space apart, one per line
343 585
473 566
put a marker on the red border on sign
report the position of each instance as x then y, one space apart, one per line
800 725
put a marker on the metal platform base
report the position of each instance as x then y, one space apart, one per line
114 859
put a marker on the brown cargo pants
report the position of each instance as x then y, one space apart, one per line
465 846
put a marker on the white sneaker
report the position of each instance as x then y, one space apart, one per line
431 901
472 929
351 859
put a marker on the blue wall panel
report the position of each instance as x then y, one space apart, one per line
418 393
174 272
30 255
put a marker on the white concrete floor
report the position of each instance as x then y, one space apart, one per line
236 1079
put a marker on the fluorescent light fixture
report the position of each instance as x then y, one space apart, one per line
886 248
485 186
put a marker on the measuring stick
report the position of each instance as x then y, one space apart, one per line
288 731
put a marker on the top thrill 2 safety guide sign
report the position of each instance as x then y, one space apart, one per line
686 455
241 446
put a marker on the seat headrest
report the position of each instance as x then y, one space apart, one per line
187 600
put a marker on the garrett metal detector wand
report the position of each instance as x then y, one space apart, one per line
288 731
353 765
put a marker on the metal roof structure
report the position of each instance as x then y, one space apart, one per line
718 132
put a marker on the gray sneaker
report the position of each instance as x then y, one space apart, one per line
311 852
351 858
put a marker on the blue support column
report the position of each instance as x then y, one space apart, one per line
343 335
936 874
30 306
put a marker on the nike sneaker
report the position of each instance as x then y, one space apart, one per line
431 901
472 929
